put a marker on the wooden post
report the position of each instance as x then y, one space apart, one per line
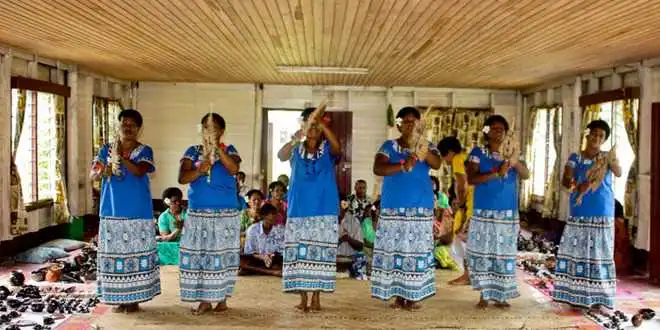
5 145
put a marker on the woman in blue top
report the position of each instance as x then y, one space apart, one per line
585 274
310 242
403 265
210 244
494 227
128 271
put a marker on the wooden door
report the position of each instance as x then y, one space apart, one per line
341 123
654 253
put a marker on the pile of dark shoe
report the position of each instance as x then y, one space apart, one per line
536 244
30 298
81 269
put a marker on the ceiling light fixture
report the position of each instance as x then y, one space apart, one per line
322 69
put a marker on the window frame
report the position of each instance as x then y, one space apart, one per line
35 86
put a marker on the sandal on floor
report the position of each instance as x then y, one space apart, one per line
202 310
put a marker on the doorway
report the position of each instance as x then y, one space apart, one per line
277 128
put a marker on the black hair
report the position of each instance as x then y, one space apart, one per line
618 209
267 209
437 184
254 191
172 192
600 124
449 143
497 119
131 114
405 111
361 181
342 197
216 118
376 203
306 113
239 173
274 184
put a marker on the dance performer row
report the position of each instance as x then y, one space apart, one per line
402 262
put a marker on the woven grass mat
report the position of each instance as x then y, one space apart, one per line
259 303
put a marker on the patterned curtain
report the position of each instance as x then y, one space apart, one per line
18 216
61 206
467 126
463 123
551 200
104 124
439 123
526 195
630 108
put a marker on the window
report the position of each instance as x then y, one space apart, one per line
104 121
543 153
36 143
612 113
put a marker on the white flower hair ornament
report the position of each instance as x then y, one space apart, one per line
587 131
398 121
200 128
486 129
167 202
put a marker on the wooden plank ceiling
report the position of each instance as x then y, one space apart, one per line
482 43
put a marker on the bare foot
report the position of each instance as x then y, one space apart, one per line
413 305
482 304
119 309
303 303
203 308
503 305
221 307
398 303
315 306
132 308
462 280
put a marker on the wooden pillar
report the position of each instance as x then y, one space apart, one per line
654 252
5 144
644 157
258 173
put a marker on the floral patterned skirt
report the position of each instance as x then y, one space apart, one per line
128 270
403 264
310 254
491 251
585 273
210 246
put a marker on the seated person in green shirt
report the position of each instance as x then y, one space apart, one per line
170 222
370 224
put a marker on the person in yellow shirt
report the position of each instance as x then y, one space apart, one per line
452 152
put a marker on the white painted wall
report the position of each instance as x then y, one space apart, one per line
169 108
172 112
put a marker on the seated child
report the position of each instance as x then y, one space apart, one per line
264 244
277 193
443 233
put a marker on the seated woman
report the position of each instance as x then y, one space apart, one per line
264 244
170 222
369 225
170 227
